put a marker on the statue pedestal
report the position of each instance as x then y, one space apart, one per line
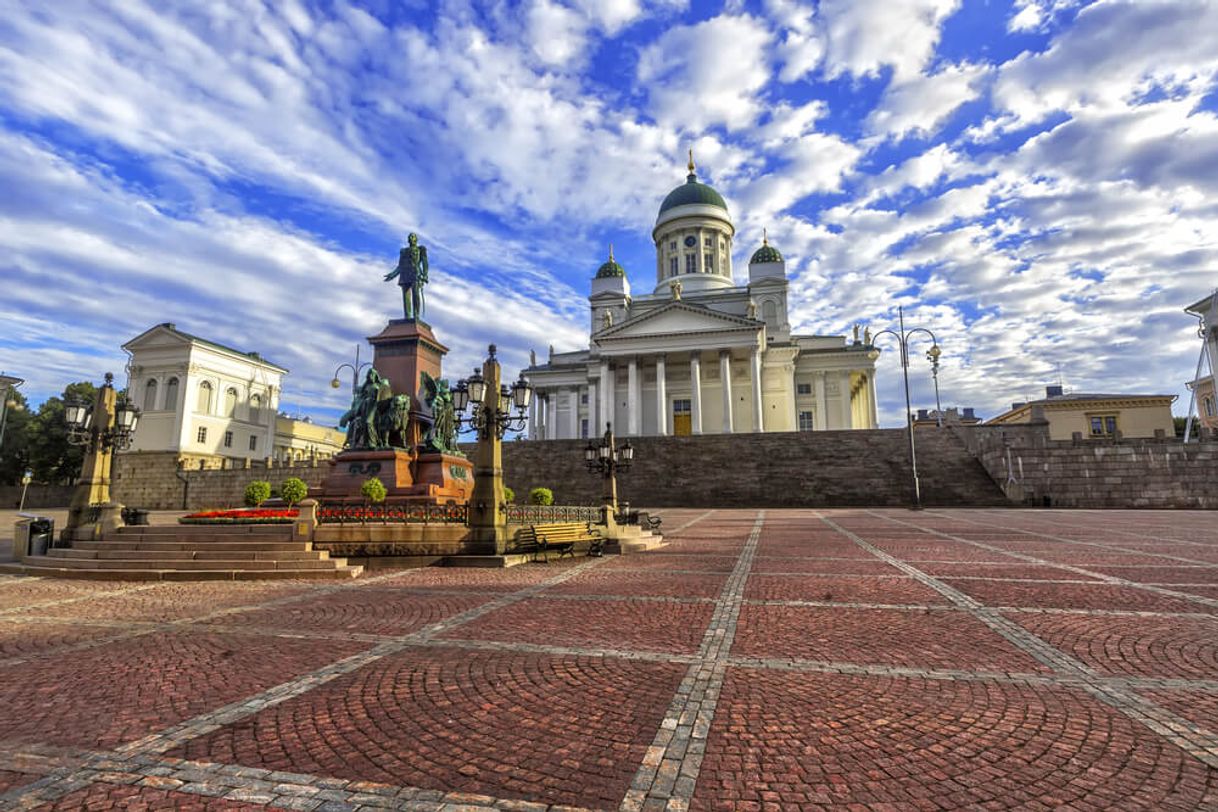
437 479
404 350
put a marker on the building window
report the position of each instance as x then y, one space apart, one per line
201 435
805 421
228 439
171 395
150 396
681 407
708 242
672 267
230 402
803 388
1209 407
583 428
203 406
583 398
1103 425
709 263
255 408
672 246
253 442
691 263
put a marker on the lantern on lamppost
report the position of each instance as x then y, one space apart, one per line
607 460
101 428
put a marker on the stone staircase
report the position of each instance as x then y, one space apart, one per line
190 553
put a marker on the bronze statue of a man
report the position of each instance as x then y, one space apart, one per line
411 274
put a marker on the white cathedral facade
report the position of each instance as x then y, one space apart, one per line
700 354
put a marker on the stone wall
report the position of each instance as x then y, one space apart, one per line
785 469
1126 473
152 480
38 496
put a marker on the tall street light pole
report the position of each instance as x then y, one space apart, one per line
8 387
355 368
903 337
106 425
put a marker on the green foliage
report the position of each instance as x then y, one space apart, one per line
14 449
373 490
39 441
541 496
293 490
509 495
1179 424
257 492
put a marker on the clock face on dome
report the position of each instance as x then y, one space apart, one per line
690 242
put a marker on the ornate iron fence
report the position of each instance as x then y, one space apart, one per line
551 514
392 514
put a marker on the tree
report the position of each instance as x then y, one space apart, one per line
51 457
14 452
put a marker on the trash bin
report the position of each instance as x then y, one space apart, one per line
42 530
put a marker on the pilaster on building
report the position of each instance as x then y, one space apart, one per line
700 354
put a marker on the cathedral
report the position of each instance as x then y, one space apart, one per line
700 354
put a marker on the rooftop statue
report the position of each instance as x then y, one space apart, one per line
411 274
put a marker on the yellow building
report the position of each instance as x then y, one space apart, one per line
1095 416
298 441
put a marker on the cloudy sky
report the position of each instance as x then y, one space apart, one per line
1034 180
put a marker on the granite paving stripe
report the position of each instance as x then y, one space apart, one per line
669 771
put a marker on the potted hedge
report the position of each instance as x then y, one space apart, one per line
293 490
373 491
541 496
257 492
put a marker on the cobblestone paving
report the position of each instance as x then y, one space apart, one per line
779 659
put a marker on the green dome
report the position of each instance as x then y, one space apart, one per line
766 253
610 269
692 193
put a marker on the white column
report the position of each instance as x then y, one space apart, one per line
875 414
634 399
533 417
822 413
755 369
725 375
695 393
594 407
844 386
552 415
661 397
573 414
610 401
604 412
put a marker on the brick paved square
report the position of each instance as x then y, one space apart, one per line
12 778
841 589
27 640
1015 570
103 796
796 740
478 579
104 696
1131 645
1168 574
571 730
670 561
176 601
1095 556
366 610
949 551
1198 707
1073 596
827 566
893 637
617 624
18 594
638 584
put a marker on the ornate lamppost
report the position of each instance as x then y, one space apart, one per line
355 368
8 387
106 425
606 459
496 410
932 355
903 337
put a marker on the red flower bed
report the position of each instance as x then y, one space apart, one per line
242 516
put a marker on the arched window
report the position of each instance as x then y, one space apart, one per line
230 402
150 395
171 394
255 407
1209 407
769 311
204 404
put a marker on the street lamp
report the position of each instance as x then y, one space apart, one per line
355 368
106 425
117 434
8 387
491 414
607 459
932 355
903 337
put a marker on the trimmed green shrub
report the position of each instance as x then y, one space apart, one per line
509 495
541 496
257 492
373 490
293 490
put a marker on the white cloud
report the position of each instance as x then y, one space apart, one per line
863 36
710 73
921 104
558 35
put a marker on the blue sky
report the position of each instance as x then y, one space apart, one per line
1034 180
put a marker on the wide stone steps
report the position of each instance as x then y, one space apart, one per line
191 552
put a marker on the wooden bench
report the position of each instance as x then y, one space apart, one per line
543 539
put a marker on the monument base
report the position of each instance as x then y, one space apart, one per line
436 479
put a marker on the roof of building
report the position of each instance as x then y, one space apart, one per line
171 327
610 268
766 253
692 192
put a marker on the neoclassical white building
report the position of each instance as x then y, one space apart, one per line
700 354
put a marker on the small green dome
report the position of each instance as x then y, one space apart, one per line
766 253
610 269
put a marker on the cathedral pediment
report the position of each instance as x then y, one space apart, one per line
678 318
